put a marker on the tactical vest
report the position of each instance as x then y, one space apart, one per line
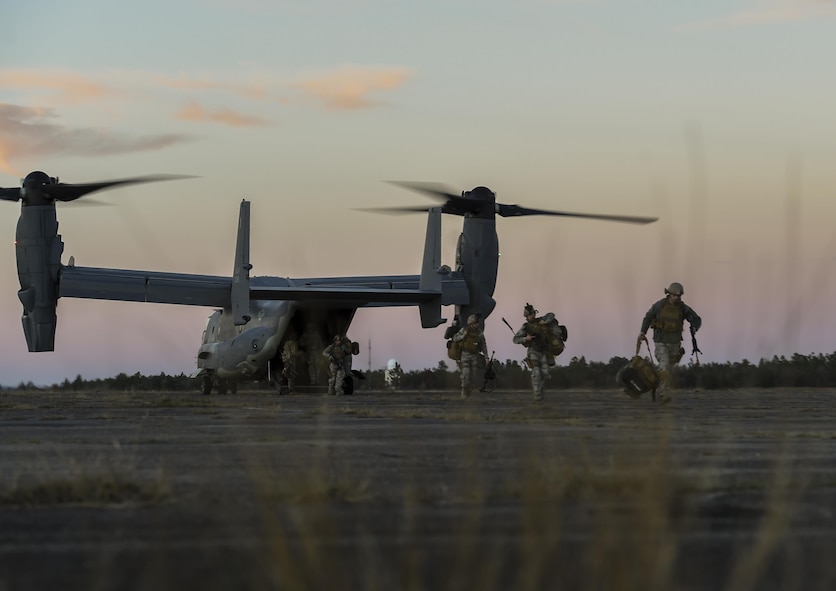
338 352
470 342
669 319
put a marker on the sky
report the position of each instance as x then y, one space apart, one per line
716 116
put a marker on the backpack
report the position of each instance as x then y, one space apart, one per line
557 346
560 334
454 350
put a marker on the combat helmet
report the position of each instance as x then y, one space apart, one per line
473 319
675 288
529 309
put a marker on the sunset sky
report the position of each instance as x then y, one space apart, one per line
716 116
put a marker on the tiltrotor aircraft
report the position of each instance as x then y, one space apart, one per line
255 316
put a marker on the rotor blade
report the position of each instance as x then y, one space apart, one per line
455 204
434 190
10 194
461 207
71 192
516 210
406 209
87 203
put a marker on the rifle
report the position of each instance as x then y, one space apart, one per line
508 325
525 359
695 350
490 375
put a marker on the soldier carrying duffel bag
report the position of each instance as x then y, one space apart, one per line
667 317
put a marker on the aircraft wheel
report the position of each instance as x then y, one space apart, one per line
348 385
222 387
206 386
233 388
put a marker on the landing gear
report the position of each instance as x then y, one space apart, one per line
209 382
227 386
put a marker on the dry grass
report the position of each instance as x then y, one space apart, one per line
579 511
637 511
98 482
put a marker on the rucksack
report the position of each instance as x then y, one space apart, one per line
557 346
454 350
559 334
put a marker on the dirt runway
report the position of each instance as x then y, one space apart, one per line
408 490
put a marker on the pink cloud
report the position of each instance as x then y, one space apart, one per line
196 113
349 88
778 11
250 91
29 131
70 86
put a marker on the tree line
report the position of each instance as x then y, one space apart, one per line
797 371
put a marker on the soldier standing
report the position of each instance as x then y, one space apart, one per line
667 317
473 345
537 335
290 353
336 352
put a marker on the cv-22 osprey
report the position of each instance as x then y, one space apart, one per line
255 316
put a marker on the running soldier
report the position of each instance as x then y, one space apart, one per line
337 352
538 335
290 354
667 317
473 344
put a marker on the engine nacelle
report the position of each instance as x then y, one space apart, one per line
39 249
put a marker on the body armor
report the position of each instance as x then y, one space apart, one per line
670 319
470 342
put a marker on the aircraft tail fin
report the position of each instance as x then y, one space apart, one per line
432 271
240 295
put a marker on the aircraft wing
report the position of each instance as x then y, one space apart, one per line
215 291
144 286
369 291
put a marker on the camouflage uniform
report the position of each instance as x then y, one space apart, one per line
473 347
667 317
311 343
336 352
537 335
290 352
